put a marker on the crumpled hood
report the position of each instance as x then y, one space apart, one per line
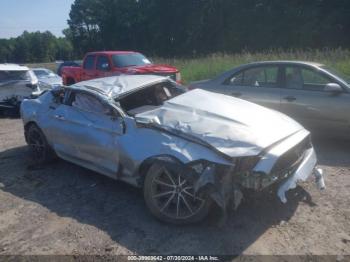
232 126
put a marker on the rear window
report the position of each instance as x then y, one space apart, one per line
14 75
43 73
132 59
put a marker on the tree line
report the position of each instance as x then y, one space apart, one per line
35 47
199 27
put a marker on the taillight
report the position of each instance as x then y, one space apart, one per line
178 77
191 87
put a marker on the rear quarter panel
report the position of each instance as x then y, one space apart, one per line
36 110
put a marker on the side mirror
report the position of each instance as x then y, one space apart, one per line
333 88
105 67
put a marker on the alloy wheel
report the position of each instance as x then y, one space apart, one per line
174 196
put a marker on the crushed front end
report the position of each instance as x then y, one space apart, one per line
280 166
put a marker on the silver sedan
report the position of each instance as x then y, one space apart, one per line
314 95
47 78
187 150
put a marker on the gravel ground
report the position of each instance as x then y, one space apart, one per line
65 209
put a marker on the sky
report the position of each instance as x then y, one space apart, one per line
33 15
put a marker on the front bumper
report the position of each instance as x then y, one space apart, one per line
306 168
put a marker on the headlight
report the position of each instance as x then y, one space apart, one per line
200 165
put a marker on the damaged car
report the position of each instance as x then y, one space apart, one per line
187 150
16 83
47 79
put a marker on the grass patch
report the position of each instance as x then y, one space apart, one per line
198 68
194 69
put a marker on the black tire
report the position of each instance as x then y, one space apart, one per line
40 150
161 203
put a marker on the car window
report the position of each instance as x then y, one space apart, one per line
258 77
103 63
40 73
43 73
14 75
130 59
305 79
89 62
86 102
58 95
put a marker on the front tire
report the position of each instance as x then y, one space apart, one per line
171 198
40 150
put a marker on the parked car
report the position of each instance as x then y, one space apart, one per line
187 150
47 78
16 83
109 63
313 94
67 63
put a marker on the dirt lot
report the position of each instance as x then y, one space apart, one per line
65 209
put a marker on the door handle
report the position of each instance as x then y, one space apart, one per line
59 117
290 98
236 94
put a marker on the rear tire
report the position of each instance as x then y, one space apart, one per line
171 198
41 151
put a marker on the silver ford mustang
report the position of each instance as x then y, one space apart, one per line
187 150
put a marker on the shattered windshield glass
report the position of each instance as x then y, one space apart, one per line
150 98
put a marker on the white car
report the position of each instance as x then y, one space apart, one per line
47 78
16 83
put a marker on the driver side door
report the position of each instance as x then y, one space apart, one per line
86 132
104 66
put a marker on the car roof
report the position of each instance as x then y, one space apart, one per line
117 86
13 67
111 52
284 62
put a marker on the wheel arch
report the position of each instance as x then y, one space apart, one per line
147 163
27 126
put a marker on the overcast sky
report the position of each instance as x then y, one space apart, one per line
33 15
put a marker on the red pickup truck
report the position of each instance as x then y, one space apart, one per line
108 63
